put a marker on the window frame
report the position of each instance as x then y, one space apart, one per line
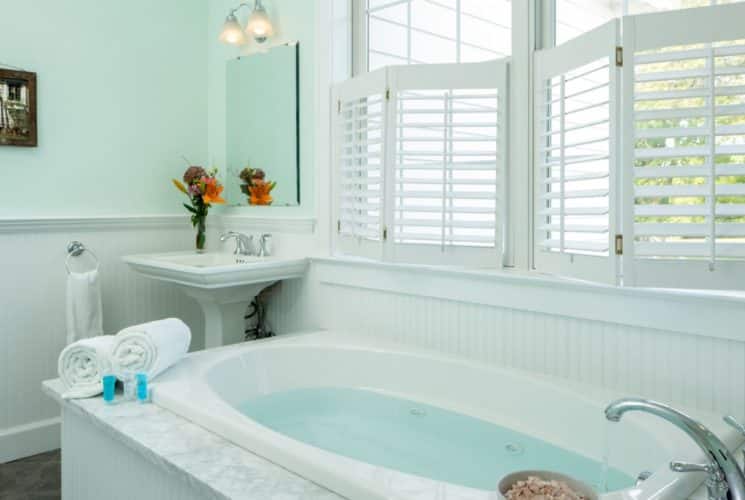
534 28
389 82
518 238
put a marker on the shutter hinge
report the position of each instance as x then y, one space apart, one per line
338 226
387 94
619 244
619 56
338 106
385 233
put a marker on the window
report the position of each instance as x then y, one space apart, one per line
685 150
677 198
577 99
638 172
420 163
574 17
435 31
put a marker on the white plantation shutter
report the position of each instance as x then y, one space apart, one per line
448 163
684 175
421 179
576 157
359 159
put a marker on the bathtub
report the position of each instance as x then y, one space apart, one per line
380 405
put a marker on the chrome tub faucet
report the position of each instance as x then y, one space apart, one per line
724 474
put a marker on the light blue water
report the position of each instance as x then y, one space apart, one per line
417 439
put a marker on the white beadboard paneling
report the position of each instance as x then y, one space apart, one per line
695 312
695 371
95 466
32 318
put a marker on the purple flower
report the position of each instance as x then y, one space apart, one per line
193 174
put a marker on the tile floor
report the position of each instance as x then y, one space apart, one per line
32 478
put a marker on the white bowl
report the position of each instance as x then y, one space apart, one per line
578 486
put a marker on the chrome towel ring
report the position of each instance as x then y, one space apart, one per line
76 249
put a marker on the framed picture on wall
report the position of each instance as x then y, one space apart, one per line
17 108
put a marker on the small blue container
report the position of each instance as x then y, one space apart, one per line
143 394
109 387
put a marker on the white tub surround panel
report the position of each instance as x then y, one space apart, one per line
32 319
139 451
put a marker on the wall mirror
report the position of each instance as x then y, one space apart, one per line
262 129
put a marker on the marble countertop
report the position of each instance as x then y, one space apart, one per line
212 465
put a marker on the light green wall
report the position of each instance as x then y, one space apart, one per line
122 95
294 20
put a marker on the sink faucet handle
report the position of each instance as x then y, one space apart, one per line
265 245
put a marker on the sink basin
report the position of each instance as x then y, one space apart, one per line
215 270
223 284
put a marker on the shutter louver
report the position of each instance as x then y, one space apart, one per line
576 156
359 128
685 173
689 189
448 165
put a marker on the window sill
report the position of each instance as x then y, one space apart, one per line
704 313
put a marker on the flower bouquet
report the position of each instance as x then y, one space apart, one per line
256 187
203 190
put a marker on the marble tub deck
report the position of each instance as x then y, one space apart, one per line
209 463
213 466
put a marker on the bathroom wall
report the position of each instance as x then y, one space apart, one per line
294 20
122 96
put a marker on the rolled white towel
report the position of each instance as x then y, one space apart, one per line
82 364
151 347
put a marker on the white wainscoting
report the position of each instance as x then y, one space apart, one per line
697 371
95 466
32 315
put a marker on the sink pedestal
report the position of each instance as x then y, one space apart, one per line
224 311
223 284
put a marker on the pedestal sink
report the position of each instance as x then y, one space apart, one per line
223 284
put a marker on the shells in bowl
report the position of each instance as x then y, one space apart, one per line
543 485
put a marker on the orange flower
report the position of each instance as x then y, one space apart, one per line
261 193
212 191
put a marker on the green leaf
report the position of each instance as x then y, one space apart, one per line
190 208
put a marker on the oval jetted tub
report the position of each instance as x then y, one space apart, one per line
370 419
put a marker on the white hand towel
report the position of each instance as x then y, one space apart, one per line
82 364
151 347
84 310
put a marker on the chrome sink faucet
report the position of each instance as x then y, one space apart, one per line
244 245
724 474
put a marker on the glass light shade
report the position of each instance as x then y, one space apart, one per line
232 32
259 27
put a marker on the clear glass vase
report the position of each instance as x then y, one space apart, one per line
201 238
